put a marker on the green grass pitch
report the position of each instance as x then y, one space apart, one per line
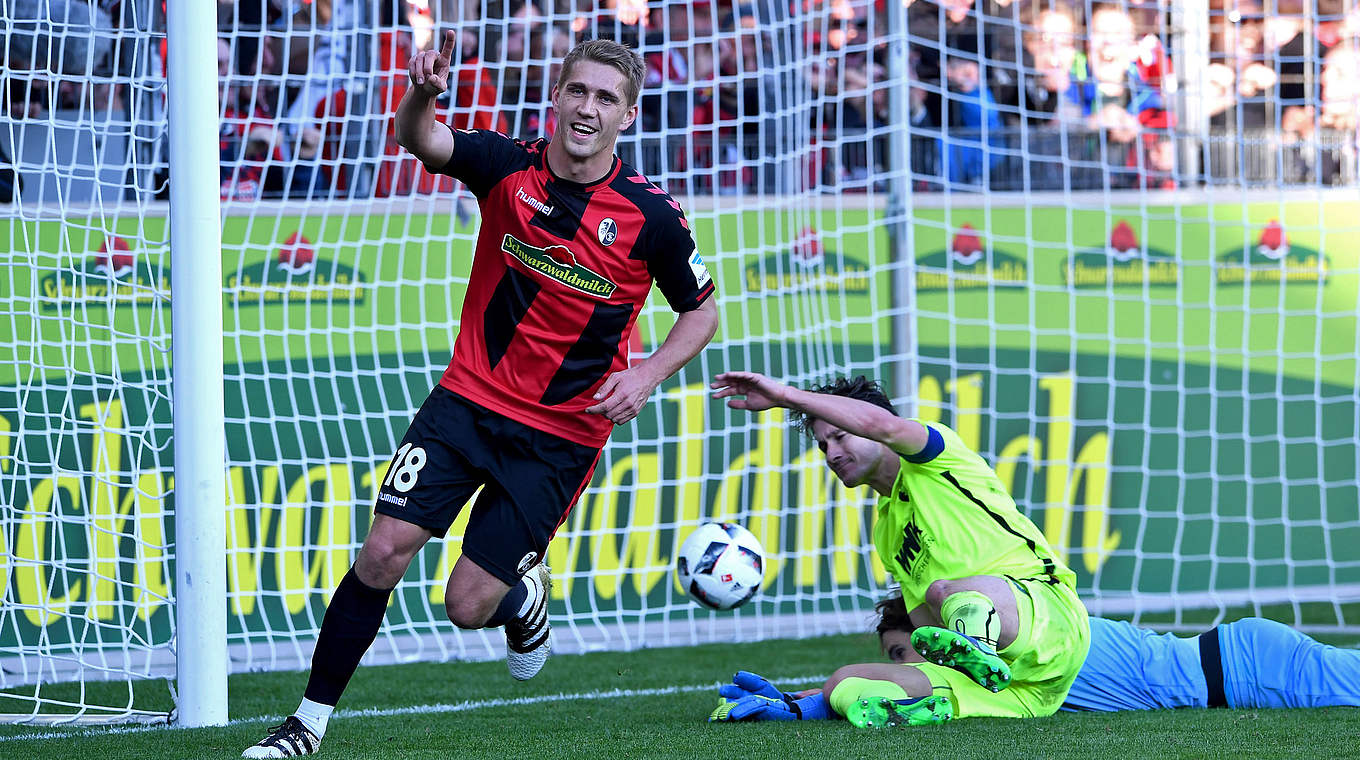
652 703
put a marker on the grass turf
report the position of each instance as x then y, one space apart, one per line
566 713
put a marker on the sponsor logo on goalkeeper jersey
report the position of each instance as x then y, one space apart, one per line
913 541
1124 262
557 262
1271 258
970 263
806 265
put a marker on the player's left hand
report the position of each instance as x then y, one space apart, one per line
745 683
623 395
756 391
753 707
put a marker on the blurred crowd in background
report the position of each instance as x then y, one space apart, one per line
754 96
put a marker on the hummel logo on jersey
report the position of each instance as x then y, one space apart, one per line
400 501
534 203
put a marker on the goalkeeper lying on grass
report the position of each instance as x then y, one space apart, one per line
1251 663
995 610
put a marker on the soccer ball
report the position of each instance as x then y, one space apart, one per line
720 565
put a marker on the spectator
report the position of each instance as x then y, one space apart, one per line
931 23
1050 44
1003 64
319 40
1114 98
84 35
524 58
1340 91
253 163
472 100
10 184
1297 49
665 101
1158 160
971 116
1241 84
624 21
1339 98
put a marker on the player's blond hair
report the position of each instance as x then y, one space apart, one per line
613 54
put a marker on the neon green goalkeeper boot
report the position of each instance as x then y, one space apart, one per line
964 654
881 712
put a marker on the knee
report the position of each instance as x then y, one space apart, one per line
466 613
842 673
380 564
939 591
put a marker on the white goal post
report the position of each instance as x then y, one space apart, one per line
1147 326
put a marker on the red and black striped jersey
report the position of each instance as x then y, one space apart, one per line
560 273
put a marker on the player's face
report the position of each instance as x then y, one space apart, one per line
853 459
896 645
592 108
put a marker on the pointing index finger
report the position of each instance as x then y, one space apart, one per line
446 52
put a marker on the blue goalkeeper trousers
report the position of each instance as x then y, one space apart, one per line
1250 663
1268 664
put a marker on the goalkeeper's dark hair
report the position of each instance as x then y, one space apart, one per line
613 54
861 388
892 615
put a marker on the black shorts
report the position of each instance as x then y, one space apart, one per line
530 481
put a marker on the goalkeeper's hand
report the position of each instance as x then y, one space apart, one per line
753 697
746 683
755 707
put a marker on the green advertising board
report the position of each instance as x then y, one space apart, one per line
1171 400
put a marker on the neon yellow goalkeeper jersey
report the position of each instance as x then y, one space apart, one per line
948 517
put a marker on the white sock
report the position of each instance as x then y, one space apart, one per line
314 716
531 597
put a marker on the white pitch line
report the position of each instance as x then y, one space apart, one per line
456 707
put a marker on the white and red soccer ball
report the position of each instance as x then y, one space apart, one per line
720 565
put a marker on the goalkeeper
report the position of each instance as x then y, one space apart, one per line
995 612
1252 663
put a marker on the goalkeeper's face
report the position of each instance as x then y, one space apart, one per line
853 459
897 645
592 108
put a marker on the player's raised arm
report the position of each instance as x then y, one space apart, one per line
755 392
418 129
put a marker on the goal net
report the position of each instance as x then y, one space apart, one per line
1053 227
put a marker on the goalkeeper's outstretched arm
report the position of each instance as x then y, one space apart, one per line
417 128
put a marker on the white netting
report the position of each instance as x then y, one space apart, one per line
1067 258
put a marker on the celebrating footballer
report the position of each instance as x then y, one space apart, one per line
571 241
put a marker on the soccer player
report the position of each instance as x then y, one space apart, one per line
1249 663
570 244
1252 663
996 612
